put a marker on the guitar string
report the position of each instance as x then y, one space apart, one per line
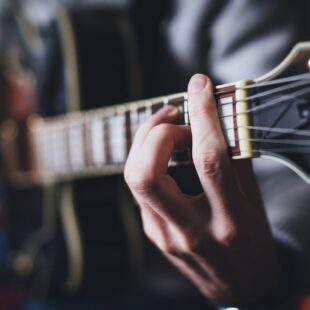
109 139
303 143
298 93
69 151
281 99
270 91
69 164
181 99
294 142
282 150
268 83
85 165
224 116
125 131
279 130
274 141
278 100
293 131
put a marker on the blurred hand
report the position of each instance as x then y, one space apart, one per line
221 238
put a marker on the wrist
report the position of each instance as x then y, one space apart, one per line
290 287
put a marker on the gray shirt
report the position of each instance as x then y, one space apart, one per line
231 40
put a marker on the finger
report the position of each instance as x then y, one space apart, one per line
151 158
209 146
167 114
161 142
146 172
146 169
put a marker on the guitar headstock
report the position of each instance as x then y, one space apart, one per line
280 112
296 62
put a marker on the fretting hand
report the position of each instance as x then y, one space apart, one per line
221 238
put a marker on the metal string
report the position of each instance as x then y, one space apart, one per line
281 99
270 91
298 132
296 81
282 150
269 83
276 141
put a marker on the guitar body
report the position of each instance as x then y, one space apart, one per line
105 55
286 121
87 235
84 233
80 239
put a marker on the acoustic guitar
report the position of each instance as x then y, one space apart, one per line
82 236
265 117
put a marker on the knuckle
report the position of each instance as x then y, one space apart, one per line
228 237
139 182
167 248
196 244
209 163
161 130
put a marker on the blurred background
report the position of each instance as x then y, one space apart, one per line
59 56
80 244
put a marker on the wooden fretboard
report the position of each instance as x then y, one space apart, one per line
98 141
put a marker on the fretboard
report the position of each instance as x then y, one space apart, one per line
97 142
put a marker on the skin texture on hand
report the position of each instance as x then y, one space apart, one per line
220 239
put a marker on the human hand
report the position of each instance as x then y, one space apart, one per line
220 238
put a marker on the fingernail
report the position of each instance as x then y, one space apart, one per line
168 110
197 83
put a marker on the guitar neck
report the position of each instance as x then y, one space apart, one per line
97 142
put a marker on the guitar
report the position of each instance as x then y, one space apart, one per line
266 117
70 237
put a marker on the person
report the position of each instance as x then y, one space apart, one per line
221 239
225 245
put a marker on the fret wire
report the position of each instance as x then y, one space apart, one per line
54 138
148 108
182 99
79 125
111 163
133 115
97 141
